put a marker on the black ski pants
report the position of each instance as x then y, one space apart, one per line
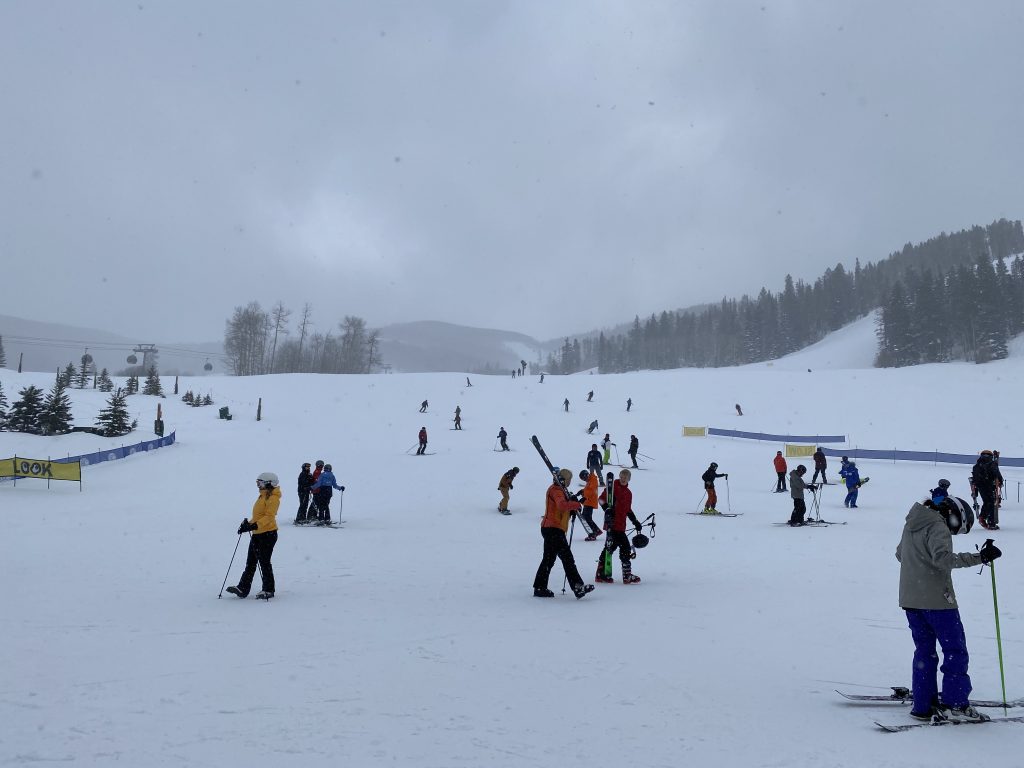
321 509
261 547
988 513
799 512
303 505
504 445
587 516
815 478
556 546
632 455
780 484
620 541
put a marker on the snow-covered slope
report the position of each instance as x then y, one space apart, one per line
411 638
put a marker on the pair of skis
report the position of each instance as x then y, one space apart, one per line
903 695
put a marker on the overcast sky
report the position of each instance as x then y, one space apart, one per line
543 167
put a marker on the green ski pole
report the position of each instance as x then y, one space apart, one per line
999 639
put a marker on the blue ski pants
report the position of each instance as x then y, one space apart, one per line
927 626
851 497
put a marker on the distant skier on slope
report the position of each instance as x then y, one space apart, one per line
505 485
634 448
592 427
590 503
606 446
323 490
503 437
851 475
780 471
305 482
590 396
423 407
594 462
422 442
819 466
796 491
709 476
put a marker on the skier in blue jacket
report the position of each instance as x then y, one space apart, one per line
852 476
322 492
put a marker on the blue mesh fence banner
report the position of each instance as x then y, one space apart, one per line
935 457
884 454
816 439
123 452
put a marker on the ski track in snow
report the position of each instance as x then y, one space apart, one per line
410 637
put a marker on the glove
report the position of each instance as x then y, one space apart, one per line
813 487
510 487
343 488
726 475
989 552
243 527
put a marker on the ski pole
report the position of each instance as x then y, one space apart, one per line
999 639
645 456
495 446
572 527
229 566
341 503
728 497
617 460
701 502
411 447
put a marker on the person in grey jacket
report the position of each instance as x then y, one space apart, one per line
796 491
926 557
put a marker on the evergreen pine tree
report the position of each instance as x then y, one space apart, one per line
3 355
105 384
132 385
83 374
992 341
152 385
207 400
69 374
187 397
113 419
3 408
55 417
24 414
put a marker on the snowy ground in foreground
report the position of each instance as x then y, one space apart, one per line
411 636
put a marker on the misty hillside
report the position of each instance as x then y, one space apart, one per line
48 346
428 346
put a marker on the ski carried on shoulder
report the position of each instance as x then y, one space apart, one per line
903 695
942 721
551 468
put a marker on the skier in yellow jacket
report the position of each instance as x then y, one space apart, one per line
263 527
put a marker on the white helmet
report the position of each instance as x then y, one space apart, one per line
267 480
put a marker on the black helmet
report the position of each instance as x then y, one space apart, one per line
801 468
319 462
305 465
327 467
515 470
640 541
957 513
714 464
943 483
584 475
846 458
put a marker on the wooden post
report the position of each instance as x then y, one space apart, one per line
175 385
259 410
20 356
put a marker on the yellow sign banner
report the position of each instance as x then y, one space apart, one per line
41 469
798 451
695 431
